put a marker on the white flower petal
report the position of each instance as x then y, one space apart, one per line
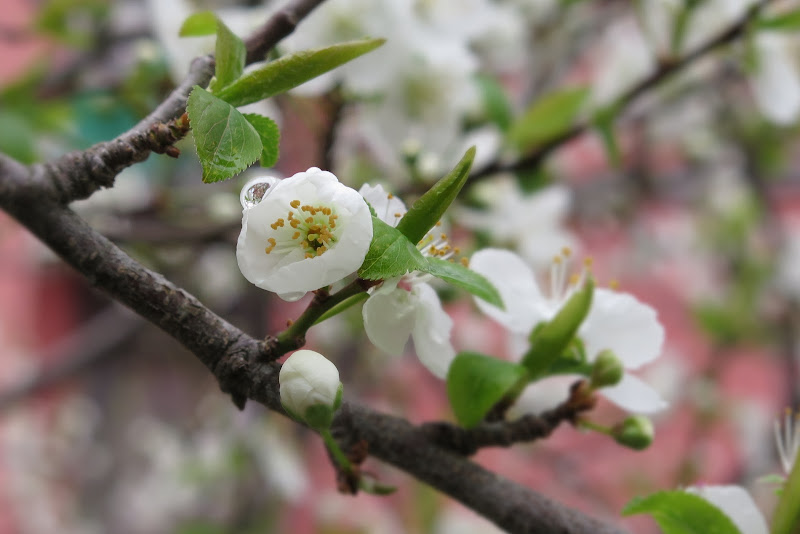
634 395
737 504
432 332
619 322
308 378
286 269
389 317
386 206
524 302
776 84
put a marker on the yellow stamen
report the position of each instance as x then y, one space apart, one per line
295 204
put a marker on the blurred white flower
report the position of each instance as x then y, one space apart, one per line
407 306
307 232
308 379
616 321
531 223
776 80
737 504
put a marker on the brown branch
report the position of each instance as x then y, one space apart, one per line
79 174
468 441
666 69
279 26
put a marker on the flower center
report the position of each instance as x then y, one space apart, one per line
562 283
312 228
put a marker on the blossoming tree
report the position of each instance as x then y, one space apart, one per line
436 102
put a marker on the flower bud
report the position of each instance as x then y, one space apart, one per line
635 432
607 370
310 388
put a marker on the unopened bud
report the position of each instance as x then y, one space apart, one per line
635 432
310 388
607 370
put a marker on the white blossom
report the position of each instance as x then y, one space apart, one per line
737 504
307 232
308 379
407 306
616 321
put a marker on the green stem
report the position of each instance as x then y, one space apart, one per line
335 450
294 336
584 423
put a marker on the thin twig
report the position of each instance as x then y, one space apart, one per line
666 69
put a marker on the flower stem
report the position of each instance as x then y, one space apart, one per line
294 336
335 450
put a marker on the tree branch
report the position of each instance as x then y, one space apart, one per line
667 68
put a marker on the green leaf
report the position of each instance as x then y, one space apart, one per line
785 22
549 117
390 254
199 24
270 136
476 382
604 121
549 341
430 207
495 100
226 143
229 55
680 512
460 276
786 519
290 71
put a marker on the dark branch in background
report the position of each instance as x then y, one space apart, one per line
667 68
36 197
81 350
277 27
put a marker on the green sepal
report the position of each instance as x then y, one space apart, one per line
430 207
285 73
337 402
390 254
635 432
550 340
681 512
199 25
460 276
319 417
229 56
270 136
476 382
550 116
604 120
226 142
786 519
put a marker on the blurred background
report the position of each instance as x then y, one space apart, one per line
688 197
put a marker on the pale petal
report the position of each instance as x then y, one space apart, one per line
737 504
288 272
389 316
634 395
776 84
619 322
388 208
431 332
543 395
524 302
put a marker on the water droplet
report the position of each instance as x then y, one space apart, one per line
255 190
